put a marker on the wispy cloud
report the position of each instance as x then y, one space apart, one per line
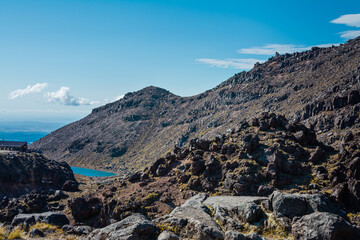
271 49
119 97
350 34
248 63
29 89
351 20
114 99
63 96
230 63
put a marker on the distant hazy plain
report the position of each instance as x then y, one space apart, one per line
26 131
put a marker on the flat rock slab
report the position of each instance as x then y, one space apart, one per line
196 201
195 214
53 218
232 201
244 208
192 223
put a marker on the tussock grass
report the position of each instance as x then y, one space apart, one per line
17 233
45 227
3 233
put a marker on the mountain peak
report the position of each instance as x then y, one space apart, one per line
154 91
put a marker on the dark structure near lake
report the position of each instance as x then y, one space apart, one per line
12 145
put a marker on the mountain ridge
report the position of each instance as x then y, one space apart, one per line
132 132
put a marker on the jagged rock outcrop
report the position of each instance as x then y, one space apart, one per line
86 209
324 226
292 205
135 227
20 173
243 208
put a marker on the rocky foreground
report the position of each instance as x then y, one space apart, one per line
268 178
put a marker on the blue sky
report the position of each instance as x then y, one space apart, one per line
60 59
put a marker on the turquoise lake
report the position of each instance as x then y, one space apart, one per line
91 172
12 133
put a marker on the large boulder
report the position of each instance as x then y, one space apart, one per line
292 205
236 207
168 235
53 218
36 233
192 223
233 235
83 208
77 230
323 226
20 173
250 142
192 220
196 202
30 203
70 186
134 227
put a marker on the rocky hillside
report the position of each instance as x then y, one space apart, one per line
319 87
21 173
268 178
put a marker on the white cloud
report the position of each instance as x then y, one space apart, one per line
271 49
29 89
119 97
63 96
350 34
248 63
352 20
114 99
230 63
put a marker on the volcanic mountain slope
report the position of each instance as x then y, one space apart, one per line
319 87
268 178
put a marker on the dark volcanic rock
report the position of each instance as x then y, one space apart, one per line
292 205
70 186
317 156
53 218
22 172
83 208
77 230
36 233
30 203
242 207
323 226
